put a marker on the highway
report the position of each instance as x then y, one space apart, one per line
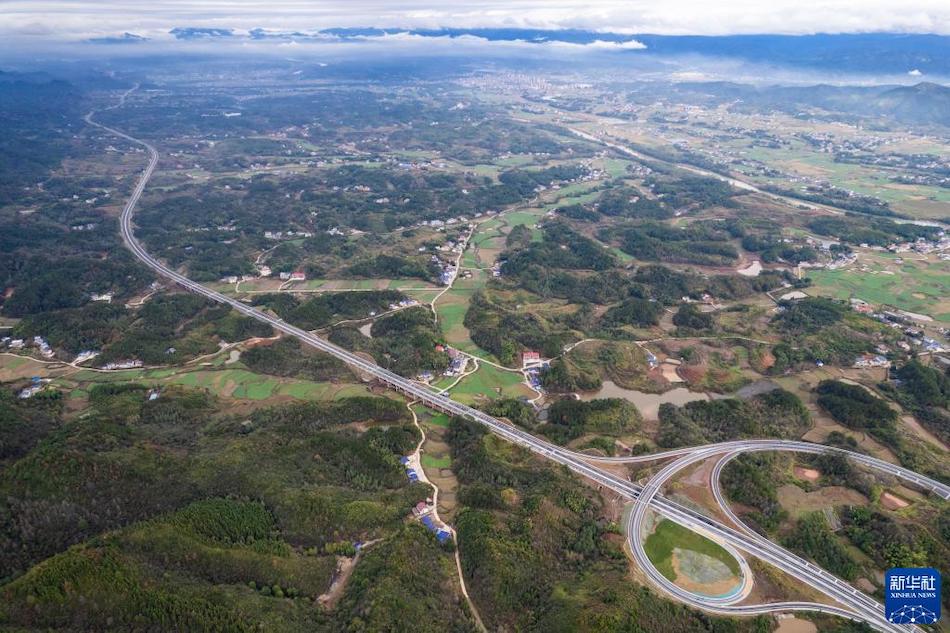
724 605
819 578
938 488
715 485
735 182
854 603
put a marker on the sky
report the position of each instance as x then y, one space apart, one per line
80 19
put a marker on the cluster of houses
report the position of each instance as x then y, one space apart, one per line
923 245
37 385
457 364
410 471
43 346
441 224
85 355
405 303
457 360
424 510
532 365
12 343
286 235
915 337
425 376
867 361
226 228
451 246
901 321
447 270
38 342
297 275
591 175
123 364
338 232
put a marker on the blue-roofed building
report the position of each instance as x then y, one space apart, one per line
440 533
404 460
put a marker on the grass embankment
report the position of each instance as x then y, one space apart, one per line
669 536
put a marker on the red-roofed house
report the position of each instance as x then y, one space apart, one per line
529 358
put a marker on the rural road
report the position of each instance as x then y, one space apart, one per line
854 603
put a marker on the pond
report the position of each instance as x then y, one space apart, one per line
648 403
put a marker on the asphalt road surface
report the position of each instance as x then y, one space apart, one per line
853 603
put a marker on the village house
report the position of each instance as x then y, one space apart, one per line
871 360
530 358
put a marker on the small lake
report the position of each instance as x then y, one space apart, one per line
649 403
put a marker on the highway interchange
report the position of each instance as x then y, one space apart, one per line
851 602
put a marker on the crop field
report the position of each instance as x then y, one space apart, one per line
615 167
451 308
16 367
489 383
439 419
430 417
431 461
469 260
444 383
478 279
921 286
527 217
231 383
920 201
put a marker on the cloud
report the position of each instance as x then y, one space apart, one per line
599 45
82 19
476 41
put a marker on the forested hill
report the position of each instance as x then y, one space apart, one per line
39 114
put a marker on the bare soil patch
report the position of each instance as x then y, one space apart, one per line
808 474
795 625
669 373
798 501
923 433
709 588
893 502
